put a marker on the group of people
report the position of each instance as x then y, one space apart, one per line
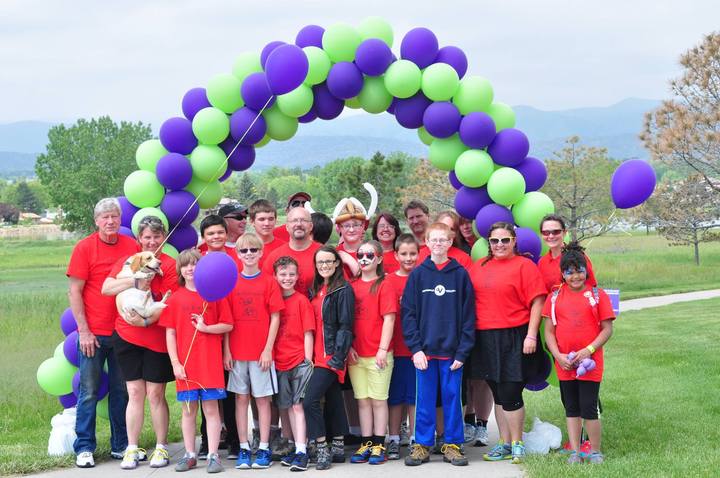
362 339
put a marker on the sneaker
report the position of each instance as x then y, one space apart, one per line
337 450
393 450
377 455
203 452
283 449
585 449
439 442
243 461
312 451
85 460
595 458
501 451
287 459
453 455
362 455
323 457
404 435
469 433
117 455
263 459
419 454
255 443
214 465
566 449
300 462
574 458
186 463
518 452
131 459
481 436
159 458
233 451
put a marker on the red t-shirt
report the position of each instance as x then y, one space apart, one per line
552 276
320 358
578 319
305 260
203 248
91 261
281 232
504 291
346 270
152 337
390 264
295 319
268 248
457 254
400 349
203 356
370 307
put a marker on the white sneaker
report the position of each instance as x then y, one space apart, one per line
85 460
469 432
131 458
159 458
481 436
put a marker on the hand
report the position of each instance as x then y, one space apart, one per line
381 359
88 343
134 319
420 360
580 355
199 323
529 346
456 365
179 371
563 361
352 356
227 360
265 360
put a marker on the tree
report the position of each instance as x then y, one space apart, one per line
685 131
579 185
246 193
25 199
688 211
430 185
9 213
86 162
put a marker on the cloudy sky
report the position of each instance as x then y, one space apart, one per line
135 59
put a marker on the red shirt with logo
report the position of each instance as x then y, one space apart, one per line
454 252
295 319
305 260
370 307
400 349
320 358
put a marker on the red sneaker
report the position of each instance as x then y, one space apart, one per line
585 449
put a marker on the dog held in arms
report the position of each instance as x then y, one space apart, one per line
140 266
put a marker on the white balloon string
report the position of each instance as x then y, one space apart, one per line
603 229
192 342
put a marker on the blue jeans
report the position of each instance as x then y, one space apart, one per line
90 369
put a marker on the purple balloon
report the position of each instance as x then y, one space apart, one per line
247 126
420 46
70 348
308 117
126 231
286 69
193 101
442 119
102 389
226 174
174 171
534 172
267 49
310 35
67 322
454 181
509 147
68 401
256 92
489 215
477 130
468 201
184 237
345 80
325 104
409 111
176 135
127 211
373 57
242 158
215 276
180 207
528 243
591 365
393 105
454 57
633 182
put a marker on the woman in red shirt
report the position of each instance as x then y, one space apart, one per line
553 230
385 229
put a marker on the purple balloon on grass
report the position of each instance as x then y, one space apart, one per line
419 45
528 243
176 135
477 130
241 158
174 171
633 182
286 68
70 348
325 104
256 92
373 57
345 80
127 211
102 389
215 276
534 172
468 201
67 322
409 111
68 401
193 101
509 147
489 215
442 119
267 49
310 35
183 237
247 126
454 181
454 57
180 207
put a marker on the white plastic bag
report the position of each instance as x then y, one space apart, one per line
62 435
543 437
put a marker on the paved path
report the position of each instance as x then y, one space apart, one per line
659 301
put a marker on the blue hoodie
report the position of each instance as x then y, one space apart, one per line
438 311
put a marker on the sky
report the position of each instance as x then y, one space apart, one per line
134 60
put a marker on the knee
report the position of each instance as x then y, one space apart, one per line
156 397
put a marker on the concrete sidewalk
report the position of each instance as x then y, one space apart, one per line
659 301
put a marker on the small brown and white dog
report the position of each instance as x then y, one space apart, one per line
141 265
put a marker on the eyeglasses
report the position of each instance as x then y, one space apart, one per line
383 227
439 240
495 241
297 203
237 218
298 221
251 250
369 255
354 225
579 270
326 263
551 232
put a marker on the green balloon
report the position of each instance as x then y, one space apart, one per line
296 103
424 136
440 82
223 92
318 65
55 375
208 193
208 162
353 103
211 126
474 93
149 153
444 152
148 211
502 115
529 211
403 79
102 408
143 189
59 350
170 250
246 64
506 186
479 249
266 139
374 97
280 127
340 42
376 27
474 167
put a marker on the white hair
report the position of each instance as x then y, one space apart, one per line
106 205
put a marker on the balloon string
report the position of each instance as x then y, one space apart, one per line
224 164
192 342
604 228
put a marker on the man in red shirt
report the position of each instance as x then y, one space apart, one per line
297 199
263 216
417 215
235 216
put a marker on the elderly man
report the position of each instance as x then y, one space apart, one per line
90 263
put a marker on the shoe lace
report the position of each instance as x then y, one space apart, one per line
451 449
417 451
159 453
129 453
377 449
498 449
364 448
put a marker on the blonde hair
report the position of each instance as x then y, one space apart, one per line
249 239
186 257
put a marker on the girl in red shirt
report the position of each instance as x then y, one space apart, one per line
385 229
552 228
581 322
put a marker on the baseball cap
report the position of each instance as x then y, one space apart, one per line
299 196
233 209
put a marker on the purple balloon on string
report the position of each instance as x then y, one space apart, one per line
174 171
534 172
373 57
528 242
633 182
310 35
247 126
70 348
102 388
194 100
68 401
215 276
126 231
409 111
286 68
180 207
477 130
454 57
176 135
345 80
420 46
454 181
308 117
442 119
267 49
184 237
256 92
468 201
325 104
489 215
241 158
67 322
127 211
509 147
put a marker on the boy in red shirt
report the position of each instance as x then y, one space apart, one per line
263 216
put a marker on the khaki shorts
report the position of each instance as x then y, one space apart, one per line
368 381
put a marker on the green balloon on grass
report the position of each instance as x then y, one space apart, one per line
148 211
353 103
506 186
296 103
102 408
474 167
503 116
424 136
474 93
246 64
55 375
403 79
444 152
143 189
340 42
374 97
208 162
479 249
440 82
376 27
170 250
149 153
280 127
318 65
266 139
208 193
211 126
529 211
223 92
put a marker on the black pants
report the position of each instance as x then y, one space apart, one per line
228 407
580 398
507 394
332 420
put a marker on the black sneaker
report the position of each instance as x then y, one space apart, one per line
203 453
300 462
337 450
233 451
324 457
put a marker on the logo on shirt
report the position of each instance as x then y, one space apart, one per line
439 290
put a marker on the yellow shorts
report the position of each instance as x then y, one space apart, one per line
368 381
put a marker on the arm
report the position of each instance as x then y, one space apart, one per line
552 346
171 340
385 339
606 330
344 336
350 261
467 325
309 345
530 342
113 286
88 341
227 355
266 355
410 326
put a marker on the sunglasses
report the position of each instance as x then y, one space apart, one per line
551 232
569 272
251 250
495 241
369 255
237 218
297 203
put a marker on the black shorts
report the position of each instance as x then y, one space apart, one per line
498 356
140 363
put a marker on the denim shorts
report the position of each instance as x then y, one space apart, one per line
200 394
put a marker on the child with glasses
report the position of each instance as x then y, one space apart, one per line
553 230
